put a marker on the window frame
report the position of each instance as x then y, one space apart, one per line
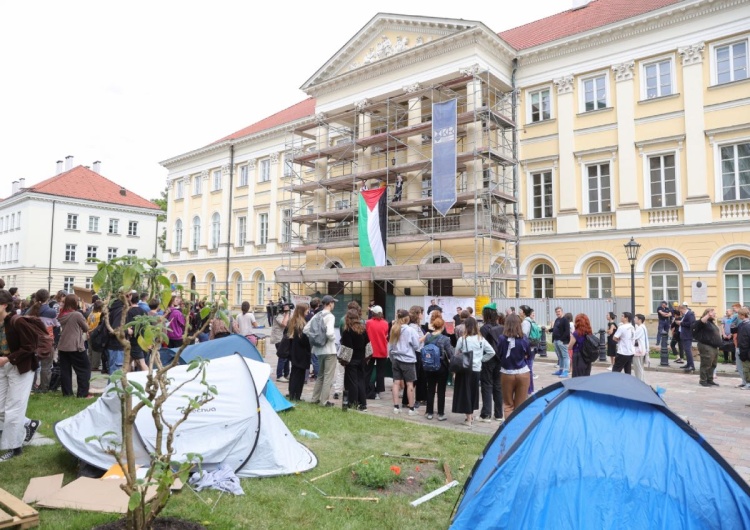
133 228
111 253
529 104
94 223
587 189
264 175
70 252
260 287
719 172
197 182
241 230
263 228
286 225
178 233
643 65
72 223
288 161
714 63
195 234
114 226
582 91
244 175
216 180
599 276
664 295
530 193
68 283
92 254
215 239
179 189
741 275
647 198
541 277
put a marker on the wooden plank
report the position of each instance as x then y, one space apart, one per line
5 517
15 505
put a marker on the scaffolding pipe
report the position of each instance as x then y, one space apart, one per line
514 117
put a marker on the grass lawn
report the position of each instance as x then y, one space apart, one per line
284 502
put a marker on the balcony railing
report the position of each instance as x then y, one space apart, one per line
734 210
540 226
664 216
600 221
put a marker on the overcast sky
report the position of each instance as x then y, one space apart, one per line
134 83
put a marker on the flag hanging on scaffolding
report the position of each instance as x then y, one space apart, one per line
444 129
372 225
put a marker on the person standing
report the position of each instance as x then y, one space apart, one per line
640 346
665 319
686 335
403 345
675 326
314 310
709 341
115 350
176 321
300 353
70 350
416 313
326 353
560 339
489 378
611 344
95 357
280 322
466 384
513 350
377 332
18 361
433 307
624 338
245 322
137 355
437 381
355 337
743 344
457 316
581 329
728 348
47 314
527 314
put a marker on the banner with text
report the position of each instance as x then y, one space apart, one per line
444 133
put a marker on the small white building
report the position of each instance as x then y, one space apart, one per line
48 231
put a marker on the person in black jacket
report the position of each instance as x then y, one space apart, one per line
561 338
489 377
437 382
355 337
301 352
115 350
686 335
743 343
709 340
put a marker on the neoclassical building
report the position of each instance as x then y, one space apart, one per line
574 133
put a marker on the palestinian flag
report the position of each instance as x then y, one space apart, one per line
373 226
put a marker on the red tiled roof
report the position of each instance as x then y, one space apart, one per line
82 183
298 111
596 14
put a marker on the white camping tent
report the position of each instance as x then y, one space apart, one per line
239 427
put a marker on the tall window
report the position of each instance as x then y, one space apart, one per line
735 172
600 281
541 189
179 192
211 286
70 252
263 229
662 181
216 179
737 281
594 93
260 288
12 221
132 228
265 170
540 105
89 282
241 231
111 253
288 164
91 252
215 228
114 226
68 282
665 283
658 79
238 289
197 184
243 176
286 226
72 222
15 258
93 223
599 185
196 235
18 221
731 62
178 235
543 281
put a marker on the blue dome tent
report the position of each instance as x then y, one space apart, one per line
229 345
600 452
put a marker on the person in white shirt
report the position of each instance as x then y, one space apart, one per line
245 322
640 346
624 339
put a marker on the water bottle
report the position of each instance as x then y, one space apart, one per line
308 434
345 401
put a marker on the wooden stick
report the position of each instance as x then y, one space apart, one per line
407 457
448 475
371 499
339 469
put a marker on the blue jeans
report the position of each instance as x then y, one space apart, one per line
663 329
115 359
561 350
316 365
282 368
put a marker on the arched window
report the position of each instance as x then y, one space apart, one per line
737 281
195 240
260 288
191 282
215 226
237 289
544 281
178 235
440 287
665 283
211 280
600 280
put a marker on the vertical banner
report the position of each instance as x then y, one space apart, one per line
444 131
372 226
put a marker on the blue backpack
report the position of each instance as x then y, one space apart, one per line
430 355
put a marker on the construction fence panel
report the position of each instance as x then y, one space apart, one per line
544 308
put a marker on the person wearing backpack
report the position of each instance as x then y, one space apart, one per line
514 350
40 308
466 384
533 333
489 377
70 350
321 332
437 380
581 330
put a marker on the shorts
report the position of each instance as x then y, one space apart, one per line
404 371
136 355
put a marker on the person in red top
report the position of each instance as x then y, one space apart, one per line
377 331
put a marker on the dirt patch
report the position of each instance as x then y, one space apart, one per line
162 523
417 477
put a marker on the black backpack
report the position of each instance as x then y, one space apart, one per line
99 337
590 351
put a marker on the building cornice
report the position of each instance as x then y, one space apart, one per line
71 201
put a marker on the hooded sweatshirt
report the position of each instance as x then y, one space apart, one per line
73 329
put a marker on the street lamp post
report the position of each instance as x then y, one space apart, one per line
631 251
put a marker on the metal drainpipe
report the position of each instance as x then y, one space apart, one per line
229 214
514 102
51 239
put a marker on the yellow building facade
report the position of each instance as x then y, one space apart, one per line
568 146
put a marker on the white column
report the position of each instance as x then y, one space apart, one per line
473 133
628 212
274 226
697 202
413 179
364 129
187 221
226 213
567 215
321 164
170 218
205 217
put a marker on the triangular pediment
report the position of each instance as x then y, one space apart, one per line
386 35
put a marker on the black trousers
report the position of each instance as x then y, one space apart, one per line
580 366
296 382
79 362
379 366
354 383
676 341
489 379
437 382
623 363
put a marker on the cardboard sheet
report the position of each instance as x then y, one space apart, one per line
91 494
41 487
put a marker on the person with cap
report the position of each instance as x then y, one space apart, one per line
326 354
377 331
686 335
665 319
624 337
489 377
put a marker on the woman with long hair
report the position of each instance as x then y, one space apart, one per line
438 380
40 308
300 352
581 329
403 346
514 351
527 314
611 344
416 313
176 321
355 337
466 385
71 353
489 378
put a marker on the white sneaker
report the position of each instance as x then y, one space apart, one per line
609 367
377 395
536 376
396 410
412 412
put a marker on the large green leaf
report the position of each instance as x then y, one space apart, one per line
99 278
135 500
128 278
